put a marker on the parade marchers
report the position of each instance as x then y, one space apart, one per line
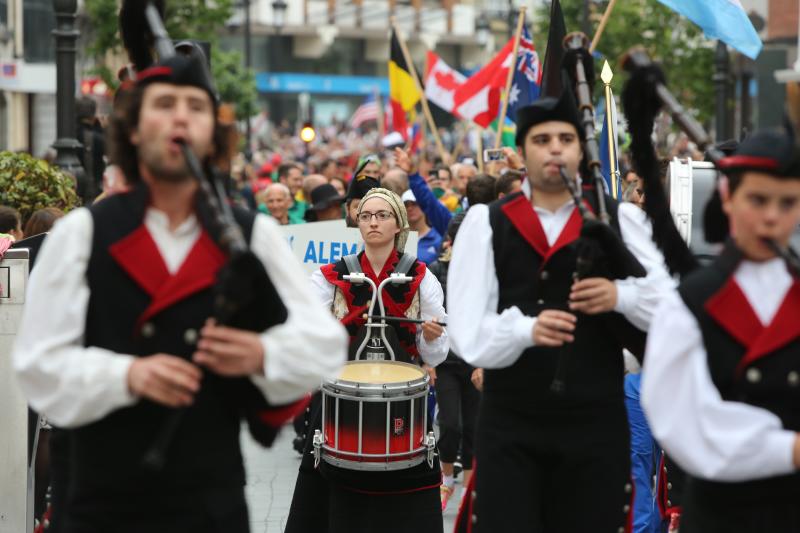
553 291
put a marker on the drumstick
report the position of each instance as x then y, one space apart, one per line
399 319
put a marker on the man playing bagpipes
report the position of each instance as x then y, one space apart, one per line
553 441
123 341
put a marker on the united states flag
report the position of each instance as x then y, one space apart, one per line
367 111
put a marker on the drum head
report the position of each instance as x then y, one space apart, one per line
380 372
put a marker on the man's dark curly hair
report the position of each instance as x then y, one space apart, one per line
123 121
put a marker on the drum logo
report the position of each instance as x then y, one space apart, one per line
399 427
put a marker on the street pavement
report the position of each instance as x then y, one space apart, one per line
271 475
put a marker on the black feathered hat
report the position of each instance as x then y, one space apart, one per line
548 109
359 186
180 69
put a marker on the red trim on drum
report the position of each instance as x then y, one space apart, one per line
395 492
748 161
278 416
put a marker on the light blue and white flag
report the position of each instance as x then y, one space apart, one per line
725 20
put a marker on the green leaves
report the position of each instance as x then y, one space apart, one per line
672 40
236 84
184 19
28 184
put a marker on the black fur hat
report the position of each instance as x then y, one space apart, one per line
548 109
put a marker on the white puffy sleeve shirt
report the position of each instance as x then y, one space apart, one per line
488 339
75 385
431 302
709 437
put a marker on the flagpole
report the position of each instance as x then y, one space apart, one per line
607 75
379 103
501 119
425 109
459 142
480 149
602 26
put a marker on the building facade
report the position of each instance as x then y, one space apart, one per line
27 76
334 53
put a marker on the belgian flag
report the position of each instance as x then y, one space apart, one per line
403 93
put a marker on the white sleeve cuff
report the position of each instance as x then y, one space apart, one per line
626 296
779 452
118 367
523 331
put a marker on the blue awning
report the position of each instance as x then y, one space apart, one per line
288 82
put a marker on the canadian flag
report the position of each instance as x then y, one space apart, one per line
478 98
441 82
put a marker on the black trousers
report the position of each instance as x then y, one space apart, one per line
550 468
222 510
458 401
750 507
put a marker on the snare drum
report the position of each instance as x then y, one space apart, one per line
374 418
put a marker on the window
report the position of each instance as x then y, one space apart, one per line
39 21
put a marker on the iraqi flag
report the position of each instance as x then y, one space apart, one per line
478 99
725 20
441 82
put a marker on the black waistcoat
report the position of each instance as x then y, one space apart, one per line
748 363
763 372
121 317
535 277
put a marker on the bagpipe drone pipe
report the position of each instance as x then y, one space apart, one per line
644 96
244 295
601 251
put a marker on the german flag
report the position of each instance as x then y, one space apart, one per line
403 93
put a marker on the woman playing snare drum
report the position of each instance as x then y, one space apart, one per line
338 500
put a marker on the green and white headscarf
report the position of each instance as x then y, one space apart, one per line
399 211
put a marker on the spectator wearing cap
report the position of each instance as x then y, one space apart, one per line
430 240
326 204
366 177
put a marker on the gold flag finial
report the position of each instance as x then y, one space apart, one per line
606 75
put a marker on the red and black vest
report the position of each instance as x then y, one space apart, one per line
137 307
398 299
748 362
535 276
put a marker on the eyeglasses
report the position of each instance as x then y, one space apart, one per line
382 216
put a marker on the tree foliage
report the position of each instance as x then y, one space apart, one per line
184 19
28 184
685 54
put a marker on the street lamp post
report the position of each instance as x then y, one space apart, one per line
248 151
67 146
721 74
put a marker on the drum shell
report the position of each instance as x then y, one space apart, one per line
375 426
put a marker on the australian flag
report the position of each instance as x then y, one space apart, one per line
525 86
